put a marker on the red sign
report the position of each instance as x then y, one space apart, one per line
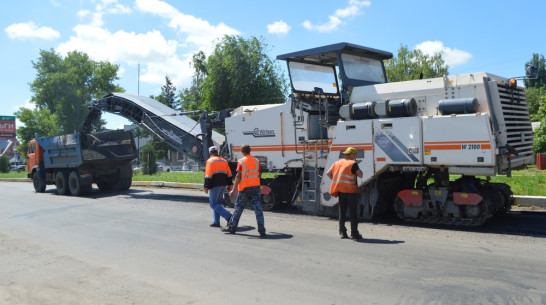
7 124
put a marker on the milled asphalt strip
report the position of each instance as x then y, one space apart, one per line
521 201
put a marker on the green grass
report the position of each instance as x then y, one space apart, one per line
22 174
529 182
185 177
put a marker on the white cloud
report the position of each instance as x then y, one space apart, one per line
451 56
157 7
336 20
279 27
28 104
158 56
29 30
197 31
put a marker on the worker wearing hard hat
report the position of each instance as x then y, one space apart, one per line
217 177
344 185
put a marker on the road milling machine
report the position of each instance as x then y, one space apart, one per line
426 147
411 137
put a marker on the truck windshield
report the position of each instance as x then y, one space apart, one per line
305 77
362 68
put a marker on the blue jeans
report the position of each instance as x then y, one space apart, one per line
251 194
216 197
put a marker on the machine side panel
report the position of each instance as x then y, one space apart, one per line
357 134
397 141
269 132
458 140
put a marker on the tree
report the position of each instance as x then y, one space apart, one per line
147 159
536 98
238 72
410 65
4 164
535 91
168 94
64 86
539 62
37 123
191 98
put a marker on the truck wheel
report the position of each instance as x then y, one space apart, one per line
125 184
105 186
60 183
39 184
85 189
74 184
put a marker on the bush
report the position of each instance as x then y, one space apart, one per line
539 141
147 159
4 164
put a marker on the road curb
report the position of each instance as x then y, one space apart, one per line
529 201
519 200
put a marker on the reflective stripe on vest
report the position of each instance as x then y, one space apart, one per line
342 179
250 175
217 165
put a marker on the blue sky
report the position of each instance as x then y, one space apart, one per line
161 35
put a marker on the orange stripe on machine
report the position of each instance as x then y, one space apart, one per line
457 145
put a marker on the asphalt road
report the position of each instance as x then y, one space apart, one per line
154 246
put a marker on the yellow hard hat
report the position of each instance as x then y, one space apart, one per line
349 150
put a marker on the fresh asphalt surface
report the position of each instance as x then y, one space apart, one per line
154 246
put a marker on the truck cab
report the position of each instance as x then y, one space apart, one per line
35 155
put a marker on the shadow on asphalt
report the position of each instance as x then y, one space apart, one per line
522 223
365 240
270 235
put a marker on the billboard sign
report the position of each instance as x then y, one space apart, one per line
7 126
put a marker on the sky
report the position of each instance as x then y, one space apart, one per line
160 36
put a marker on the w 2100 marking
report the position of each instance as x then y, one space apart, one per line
471 146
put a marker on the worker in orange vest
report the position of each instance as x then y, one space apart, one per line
217 178
344 185
247 182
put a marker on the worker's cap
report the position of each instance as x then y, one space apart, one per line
349 150
212 148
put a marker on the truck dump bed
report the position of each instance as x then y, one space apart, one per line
68 151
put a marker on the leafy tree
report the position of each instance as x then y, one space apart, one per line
539 62
147 159
535 91
191 98
536 98
238 72
37 123
65 86
410 65
168 94
4 164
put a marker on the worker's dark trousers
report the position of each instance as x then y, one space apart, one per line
348 200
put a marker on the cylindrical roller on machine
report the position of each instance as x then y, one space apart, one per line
458 106
402 107
363 111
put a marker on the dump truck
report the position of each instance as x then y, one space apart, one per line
73 162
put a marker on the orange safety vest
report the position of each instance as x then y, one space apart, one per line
343 180
250 174
216 165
